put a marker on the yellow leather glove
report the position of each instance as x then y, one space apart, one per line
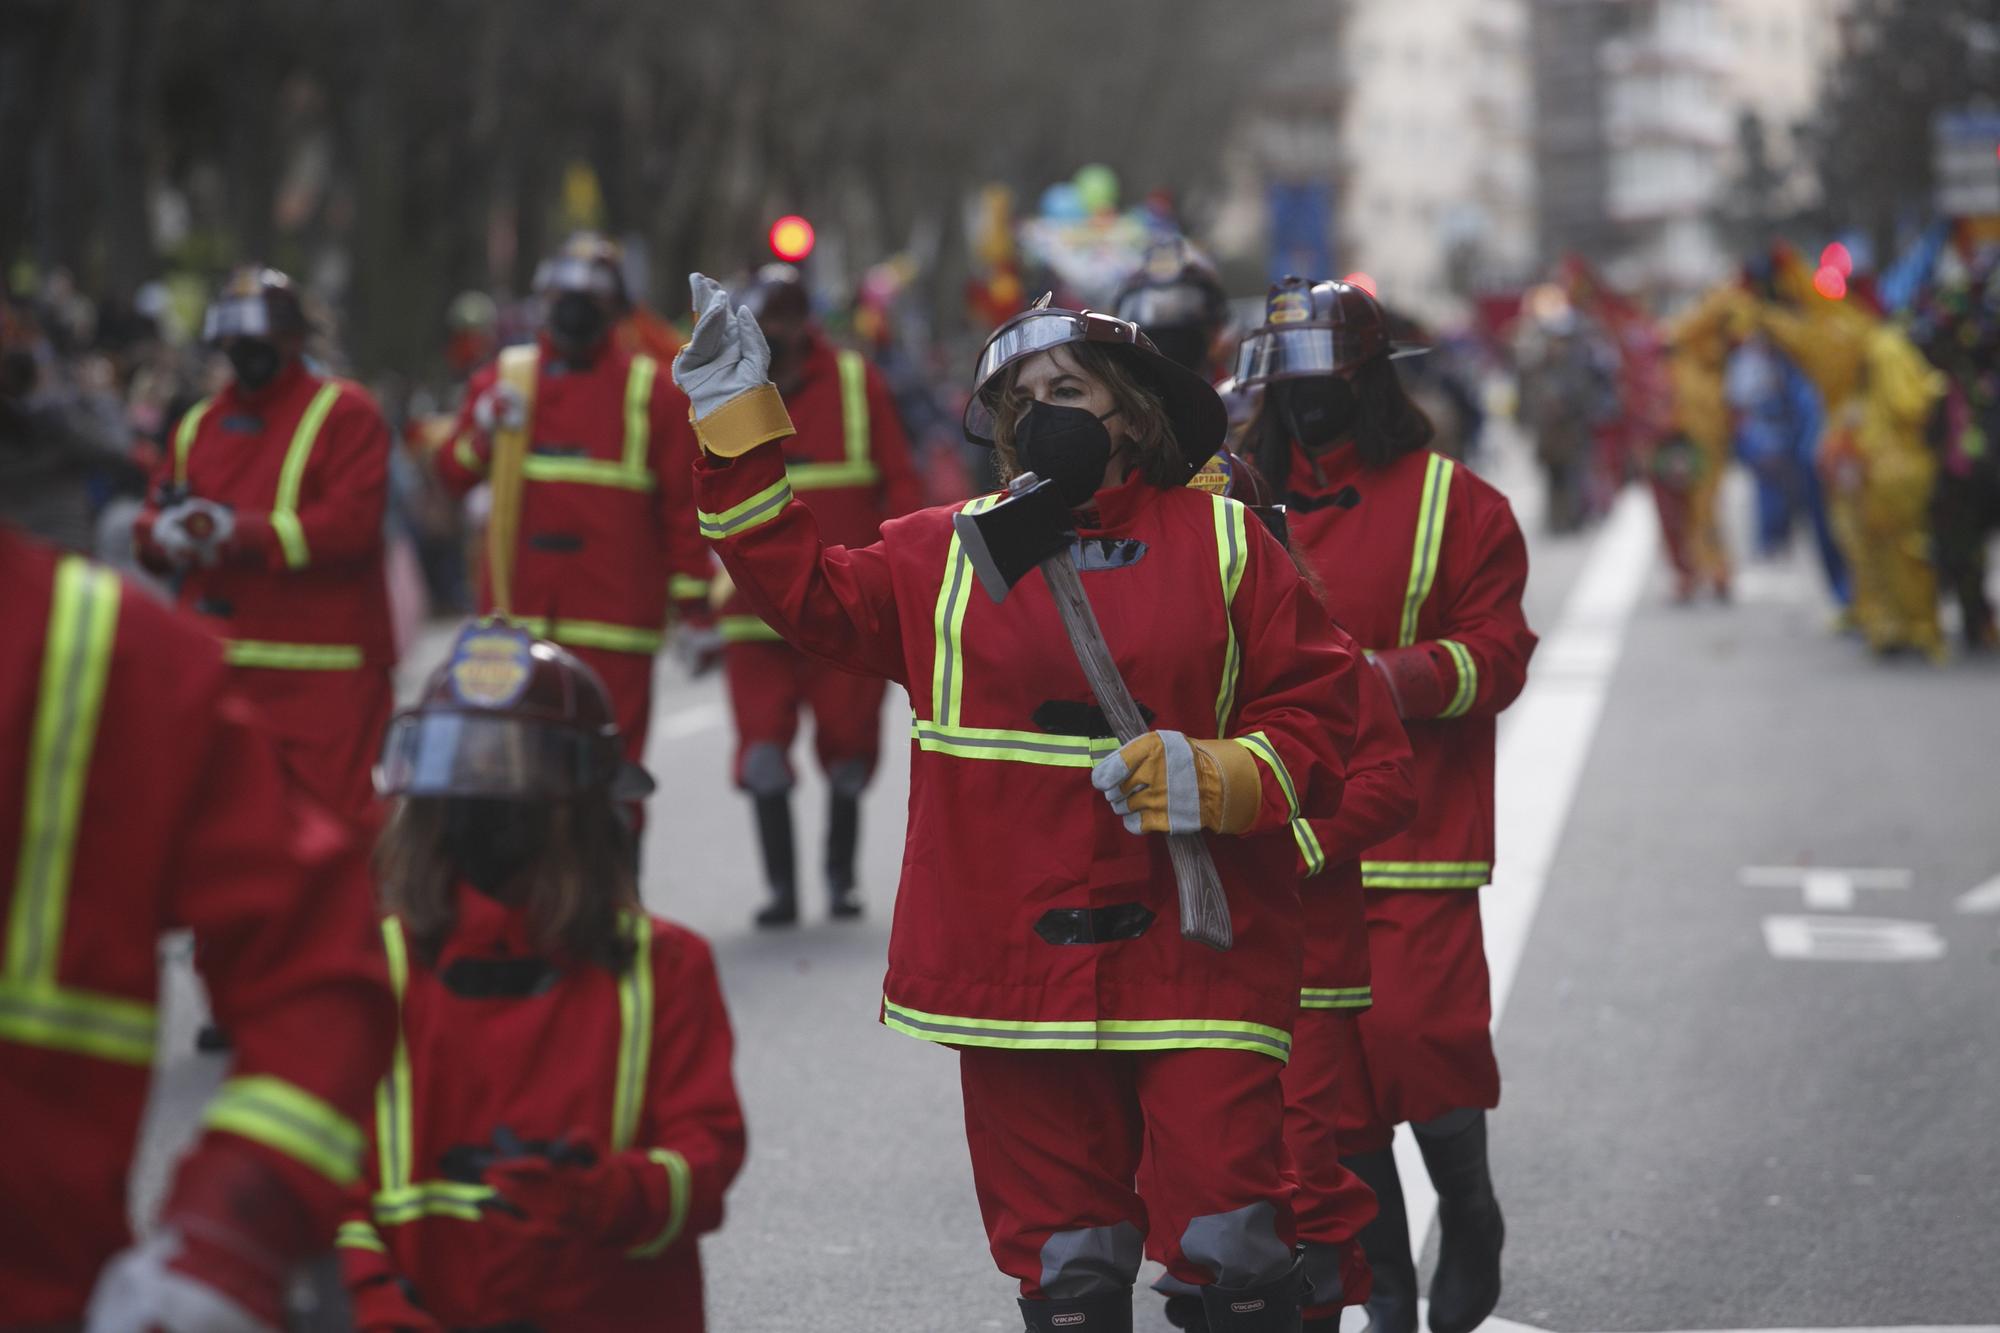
1163 782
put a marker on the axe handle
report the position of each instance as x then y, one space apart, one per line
1204 909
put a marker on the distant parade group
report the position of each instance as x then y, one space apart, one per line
1233 622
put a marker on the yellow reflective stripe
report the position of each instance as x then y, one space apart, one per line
106 1027
586 472
1232 553
1258 744
430 1198
184 438
1020 747
286 1118
76 662
1468 678
635 1043
1336 997
948 622
680 1184
1426 874
595 634
467 455
747 629
682 586
358 1235
1430 536
285 512
292 656
638 415
1309 846
759 509
1102 1034
858 468
393 1114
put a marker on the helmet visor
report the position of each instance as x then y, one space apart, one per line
1281 354
574 273
237 317
1166 307
441 753
1036 331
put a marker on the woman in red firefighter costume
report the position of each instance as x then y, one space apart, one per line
1423 563
268 509
850 463
559 1123
585 448
1034 927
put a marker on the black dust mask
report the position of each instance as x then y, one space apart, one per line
255 361
490 842
1322 410
578 322
1066 445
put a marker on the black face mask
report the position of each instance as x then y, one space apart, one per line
577 323
1066 445
490 842
1321 410
255 361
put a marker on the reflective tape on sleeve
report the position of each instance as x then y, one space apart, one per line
291 477
1468 678
286 1118
1431 509
1232 553
1426 874
1309 846
1336 997
1259 745
680 1184
754 512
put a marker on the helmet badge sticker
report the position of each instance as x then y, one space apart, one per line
490 666
1291 307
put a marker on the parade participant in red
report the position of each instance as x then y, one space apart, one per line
268 509
1176 297
1424 563
138 794
850 463
586 448
1034 927
560 1122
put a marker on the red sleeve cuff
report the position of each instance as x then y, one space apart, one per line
1417 677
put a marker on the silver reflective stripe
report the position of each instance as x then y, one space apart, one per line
1089 1035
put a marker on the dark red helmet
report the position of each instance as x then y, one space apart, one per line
1194 413
254 302
778 291
508 717
1315 328
1176 297
588 263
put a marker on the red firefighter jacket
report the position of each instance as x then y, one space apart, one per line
1423 564
1028 917
136 795
304 463
1379 802
849 462
605 536
637 1064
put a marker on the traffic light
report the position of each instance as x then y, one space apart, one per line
792 238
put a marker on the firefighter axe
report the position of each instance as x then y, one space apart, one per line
1032 529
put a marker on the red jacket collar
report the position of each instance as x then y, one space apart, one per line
1117 506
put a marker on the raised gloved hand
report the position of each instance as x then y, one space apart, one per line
585 1196
194 532
168 1284
1164 782
725 370
499 408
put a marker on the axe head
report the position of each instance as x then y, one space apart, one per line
1015 536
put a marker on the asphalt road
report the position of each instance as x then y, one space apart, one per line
1695 1134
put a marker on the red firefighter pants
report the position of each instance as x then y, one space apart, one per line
629 679
1057 1140
768 684
1427 1043
328 728
1330 1203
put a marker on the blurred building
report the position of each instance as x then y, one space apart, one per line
1667 132
1438 193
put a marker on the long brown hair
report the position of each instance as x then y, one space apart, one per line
573 894
1154 453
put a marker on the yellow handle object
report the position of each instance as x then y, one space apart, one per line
510 453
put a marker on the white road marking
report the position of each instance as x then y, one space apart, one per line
1852 939
1982 900
1544 739
1827 888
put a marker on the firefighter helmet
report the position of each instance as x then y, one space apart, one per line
778 291
254 302
508 717
1176 297
1195 414
1316 328
587 262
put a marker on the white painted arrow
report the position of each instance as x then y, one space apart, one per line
1982 900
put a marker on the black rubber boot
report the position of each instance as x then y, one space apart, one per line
774 838
1106 1312
1466 1286
1271 1308
1186 1312
1386 1241
843 838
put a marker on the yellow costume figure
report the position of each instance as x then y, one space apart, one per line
1695 457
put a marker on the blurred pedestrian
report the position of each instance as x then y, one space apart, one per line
1567 392
1177 298
566 1196
1689 464
1423 561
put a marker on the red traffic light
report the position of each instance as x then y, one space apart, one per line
792 238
